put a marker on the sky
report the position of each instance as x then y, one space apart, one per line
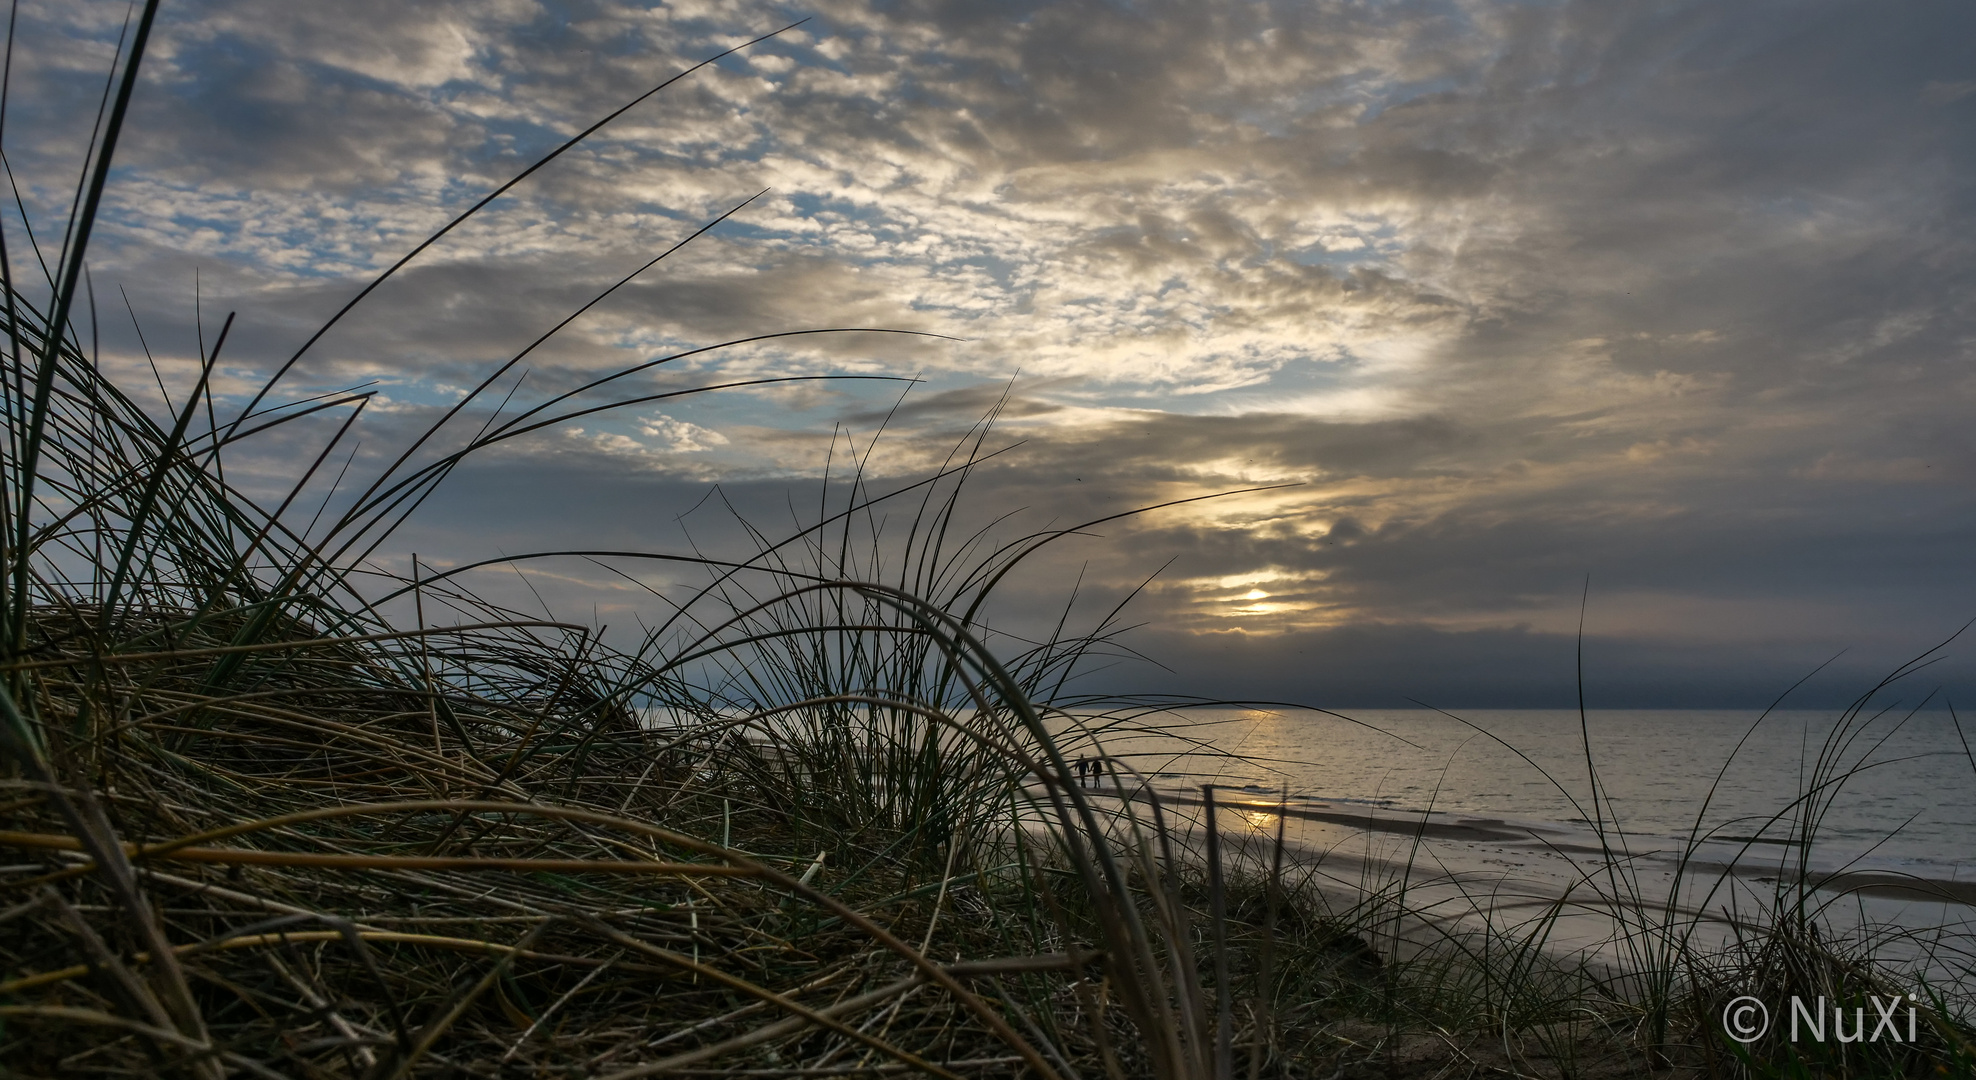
1651 318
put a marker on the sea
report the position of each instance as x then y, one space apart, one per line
1895 792
1524 806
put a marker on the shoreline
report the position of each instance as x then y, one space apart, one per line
1535 840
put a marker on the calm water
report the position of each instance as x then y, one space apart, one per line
1909 805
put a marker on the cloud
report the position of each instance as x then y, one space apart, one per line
1676 295
681 435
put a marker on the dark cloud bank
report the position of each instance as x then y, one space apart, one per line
1855 602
